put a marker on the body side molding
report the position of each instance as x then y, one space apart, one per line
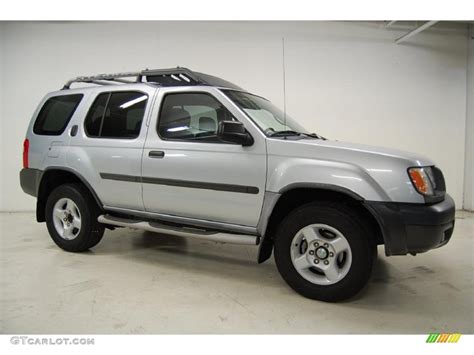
183 183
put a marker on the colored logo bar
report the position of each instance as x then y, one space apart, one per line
443 338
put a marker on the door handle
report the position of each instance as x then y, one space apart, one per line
74 130
156 154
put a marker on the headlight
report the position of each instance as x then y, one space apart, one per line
422 179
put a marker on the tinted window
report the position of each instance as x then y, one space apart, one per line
116 115
191 116
94 117
55 114
268 117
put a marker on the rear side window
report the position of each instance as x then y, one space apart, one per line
55 114
116 115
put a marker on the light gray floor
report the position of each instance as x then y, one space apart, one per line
135 282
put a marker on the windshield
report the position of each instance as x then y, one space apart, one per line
269 118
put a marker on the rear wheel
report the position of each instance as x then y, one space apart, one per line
324 252
71 217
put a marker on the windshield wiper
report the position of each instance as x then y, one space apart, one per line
294 133
284 133
315 135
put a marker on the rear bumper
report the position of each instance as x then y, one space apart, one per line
414 228
29 181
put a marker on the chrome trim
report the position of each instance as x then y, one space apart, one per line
219 237
186 220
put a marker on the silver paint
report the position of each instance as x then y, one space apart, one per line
271 164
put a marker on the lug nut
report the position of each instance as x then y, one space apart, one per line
311 252
326 245
326 262
316 261
331 254
316 244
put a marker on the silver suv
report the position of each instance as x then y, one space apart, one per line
188 154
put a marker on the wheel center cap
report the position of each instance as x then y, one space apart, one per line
322 253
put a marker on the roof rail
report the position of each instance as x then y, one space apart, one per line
103 79
164 77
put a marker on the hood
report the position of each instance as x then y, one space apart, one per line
365 156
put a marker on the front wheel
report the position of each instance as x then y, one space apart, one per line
324 252
71 217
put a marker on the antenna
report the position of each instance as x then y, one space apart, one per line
284 81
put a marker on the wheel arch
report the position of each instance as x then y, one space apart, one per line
53 177
278 205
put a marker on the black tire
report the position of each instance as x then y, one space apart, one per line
345 220
91 231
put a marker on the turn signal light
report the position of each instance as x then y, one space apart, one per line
420 180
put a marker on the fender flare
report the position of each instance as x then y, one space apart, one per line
321 186
270 201
40 204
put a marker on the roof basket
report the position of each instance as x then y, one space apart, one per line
163 77
172 77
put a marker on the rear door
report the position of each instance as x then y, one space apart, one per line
188 172
107 149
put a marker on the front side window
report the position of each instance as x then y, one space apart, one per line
191 116
55 114
267 116
116 115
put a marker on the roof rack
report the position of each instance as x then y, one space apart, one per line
164 77
102 79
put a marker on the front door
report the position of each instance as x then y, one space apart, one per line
188 172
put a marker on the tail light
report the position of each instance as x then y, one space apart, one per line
26 148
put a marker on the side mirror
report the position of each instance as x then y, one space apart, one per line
234 132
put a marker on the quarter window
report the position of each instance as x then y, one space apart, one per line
191 116
116 115
55 114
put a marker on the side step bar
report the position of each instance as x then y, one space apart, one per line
180 231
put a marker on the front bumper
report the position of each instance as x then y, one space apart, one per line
414 228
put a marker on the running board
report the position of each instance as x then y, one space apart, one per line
190 232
